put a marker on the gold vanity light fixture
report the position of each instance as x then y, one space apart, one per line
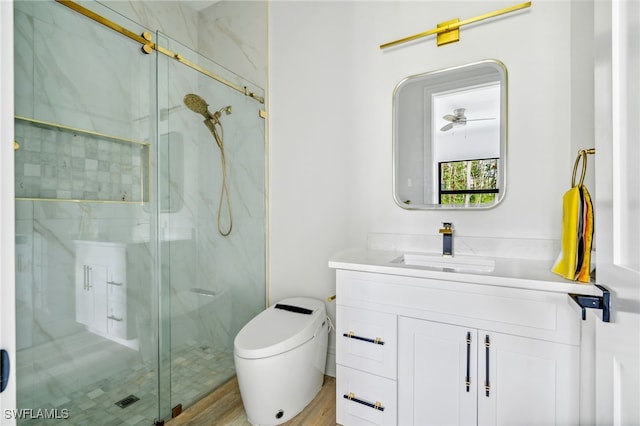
449 31
148 46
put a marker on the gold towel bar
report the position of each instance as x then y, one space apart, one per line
449 31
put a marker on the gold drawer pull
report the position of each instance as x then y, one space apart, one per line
352 397
376 341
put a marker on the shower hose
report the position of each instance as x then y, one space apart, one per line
213 124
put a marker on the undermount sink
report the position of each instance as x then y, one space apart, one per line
455 263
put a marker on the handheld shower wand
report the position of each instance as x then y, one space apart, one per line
196 104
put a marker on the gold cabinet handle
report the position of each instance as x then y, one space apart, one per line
375 405
375 341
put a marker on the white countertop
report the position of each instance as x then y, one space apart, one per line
514 273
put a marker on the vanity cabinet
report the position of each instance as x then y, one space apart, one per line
455 375
102 303
422 351
366 358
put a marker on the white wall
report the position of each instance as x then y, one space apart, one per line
313 142
330 123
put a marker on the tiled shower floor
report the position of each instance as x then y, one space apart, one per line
88 394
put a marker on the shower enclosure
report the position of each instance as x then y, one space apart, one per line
128 296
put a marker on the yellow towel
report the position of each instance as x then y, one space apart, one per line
584 274
577 235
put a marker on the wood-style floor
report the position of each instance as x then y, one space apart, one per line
224 407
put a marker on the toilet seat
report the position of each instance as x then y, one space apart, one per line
275 331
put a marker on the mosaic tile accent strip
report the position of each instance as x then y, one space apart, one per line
58 163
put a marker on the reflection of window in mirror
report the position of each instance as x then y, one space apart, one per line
468 182
466 134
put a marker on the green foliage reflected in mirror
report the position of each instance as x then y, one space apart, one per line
469 183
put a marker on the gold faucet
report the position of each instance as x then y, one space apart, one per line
446 228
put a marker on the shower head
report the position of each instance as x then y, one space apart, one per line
196 104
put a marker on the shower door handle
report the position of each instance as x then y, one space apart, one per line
5 368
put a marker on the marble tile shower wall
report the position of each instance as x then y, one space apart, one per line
55 164
231 267
73 73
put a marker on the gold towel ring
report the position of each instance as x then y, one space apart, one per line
581 154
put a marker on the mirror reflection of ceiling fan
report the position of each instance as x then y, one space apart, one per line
459 119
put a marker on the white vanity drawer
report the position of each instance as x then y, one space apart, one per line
367 340
523 312
370 399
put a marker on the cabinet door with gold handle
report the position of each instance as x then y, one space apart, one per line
523 378
437 367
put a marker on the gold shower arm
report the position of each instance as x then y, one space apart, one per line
449 31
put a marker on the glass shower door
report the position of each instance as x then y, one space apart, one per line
212 222
86 338
140 242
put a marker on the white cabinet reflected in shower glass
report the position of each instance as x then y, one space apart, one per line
449 138
104 302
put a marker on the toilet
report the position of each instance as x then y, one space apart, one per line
280 358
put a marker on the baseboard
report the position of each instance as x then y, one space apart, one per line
330 366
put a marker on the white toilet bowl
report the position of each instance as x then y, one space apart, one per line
280 358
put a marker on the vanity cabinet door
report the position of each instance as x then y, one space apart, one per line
91 296
529 381
454 375
437 373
